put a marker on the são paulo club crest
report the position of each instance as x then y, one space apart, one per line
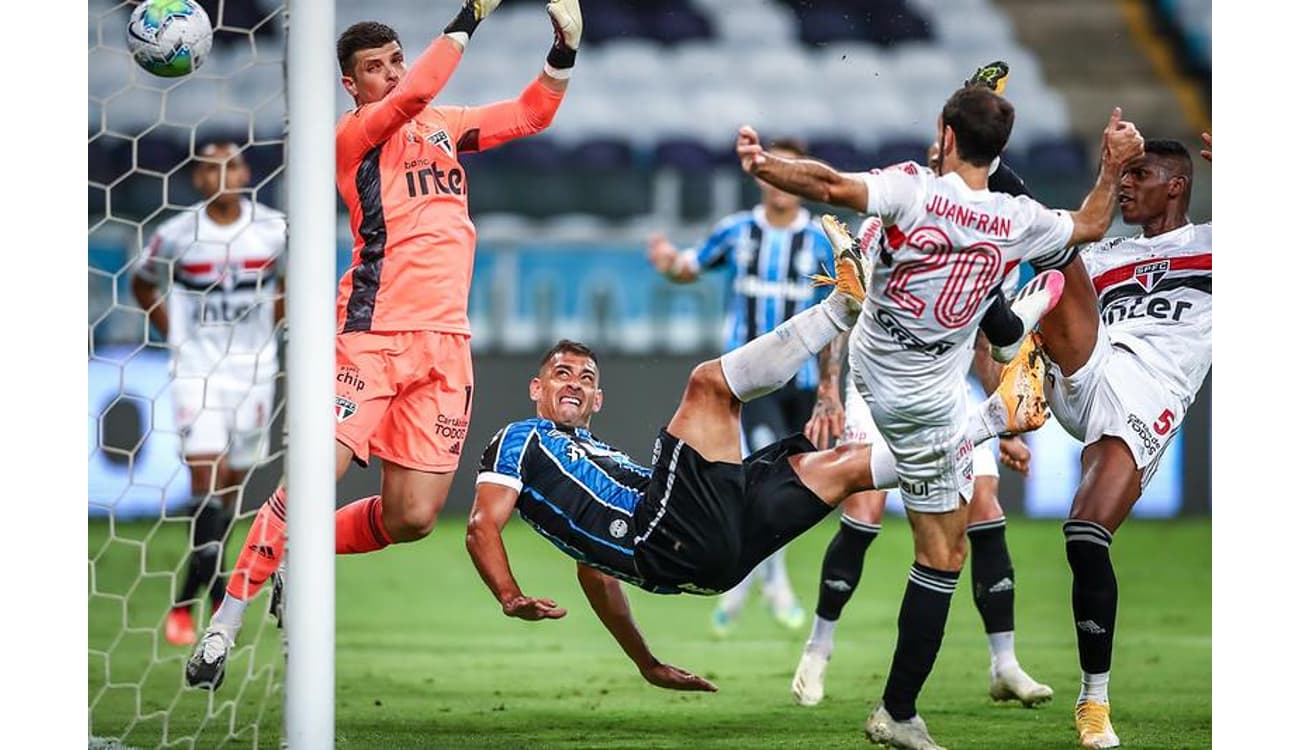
343 408
441 140
1150 274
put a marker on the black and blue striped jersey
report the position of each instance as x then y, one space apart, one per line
578 492
768 268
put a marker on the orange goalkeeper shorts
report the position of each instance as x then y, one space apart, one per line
403 397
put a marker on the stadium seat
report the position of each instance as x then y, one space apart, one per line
674 22
917 65
108 158
608 22
539 153
1057 155
898 151
133 110
841 153
685 154
601 153
756 26
162 149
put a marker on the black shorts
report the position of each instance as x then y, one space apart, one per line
779 413
704 525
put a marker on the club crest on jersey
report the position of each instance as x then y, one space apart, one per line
343 408
441 140
618 528
1150 274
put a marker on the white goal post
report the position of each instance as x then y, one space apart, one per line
309 682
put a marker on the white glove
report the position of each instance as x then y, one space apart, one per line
566 17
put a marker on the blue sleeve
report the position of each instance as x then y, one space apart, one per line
503 459
721 242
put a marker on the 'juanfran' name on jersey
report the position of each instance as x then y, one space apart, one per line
941 207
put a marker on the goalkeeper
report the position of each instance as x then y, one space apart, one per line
404 382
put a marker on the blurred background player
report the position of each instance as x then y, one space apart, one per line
912 344
219 319
768 252
1128 359
404 385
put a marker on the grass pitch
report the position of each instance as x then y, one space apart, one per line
426 660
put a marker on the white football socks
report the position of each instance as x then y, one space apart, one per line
1095 688
987 420
230 615
822 640
1002 651
769 361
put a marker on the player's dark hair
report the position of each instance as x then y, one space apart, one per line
359 36
981 121
568 346
793 145
1171 151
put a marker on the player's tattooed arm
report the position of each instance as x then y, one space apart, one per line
493 505
807 178
610 604
826 424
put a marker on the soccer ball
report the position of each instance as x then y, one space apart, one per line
169 38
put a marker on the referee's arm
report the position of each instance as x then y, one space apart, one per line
493 504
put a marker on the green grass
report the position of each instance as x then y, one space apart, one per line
425 658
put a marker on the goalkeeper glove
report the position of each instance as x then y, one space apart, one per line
469 16
566 19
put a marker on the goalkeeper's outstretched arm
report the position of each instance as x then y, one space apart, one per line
376 121
534 109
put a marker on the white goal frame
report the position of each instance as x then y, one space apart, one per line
309 301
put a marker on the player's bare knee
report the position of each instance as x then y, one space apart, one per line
411 521
707 383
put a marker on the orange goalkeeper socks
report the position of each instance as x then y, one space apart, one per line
359 527
262 551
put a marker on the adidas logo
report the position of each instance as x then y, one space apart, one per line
835 584
1088 626
263 550
1006 584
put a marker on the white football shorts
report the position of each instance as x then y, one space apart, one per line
224 415
1115 394
935 464
860 428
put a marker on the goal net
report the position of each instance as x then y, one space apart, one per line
144 134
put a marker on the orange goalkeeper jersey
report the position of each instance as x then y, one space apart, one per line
398 171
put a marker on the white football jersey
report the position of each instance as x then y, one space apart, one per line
220 308
1155 298
945 248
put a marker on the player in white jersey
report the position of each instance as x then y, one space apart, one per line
219 316
949 243
1121 380
993 582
